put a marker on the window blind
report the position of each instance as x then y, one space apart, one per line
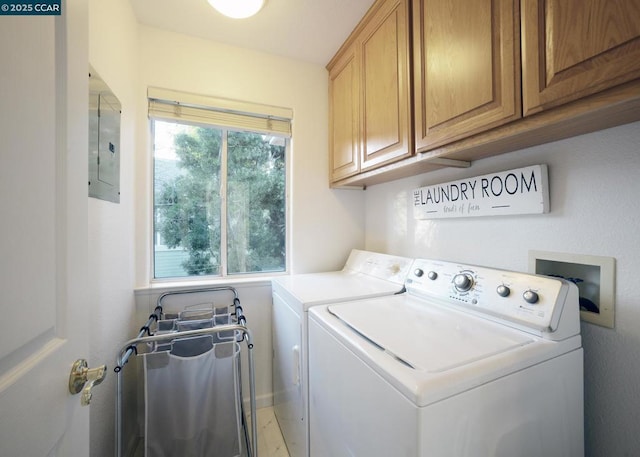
234 114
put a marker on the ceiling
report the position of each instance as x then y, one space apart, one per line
308 30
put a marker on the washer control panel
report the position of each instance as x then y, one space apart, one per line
530 300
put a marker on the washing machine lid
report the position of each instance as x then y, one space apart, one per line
427 337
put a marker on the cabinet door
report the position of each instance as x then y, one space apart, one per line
466 68
344 115
574 48
386 108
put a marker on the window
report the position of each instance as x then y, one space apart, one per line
219 191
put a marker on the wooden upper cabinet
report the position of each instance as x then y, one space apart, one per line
344 116
386 107
460 80
369 89
466 57
575 48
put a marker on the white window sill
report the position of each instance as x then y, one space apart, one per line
162 286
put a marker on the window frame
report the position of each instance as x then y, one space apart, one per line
223 274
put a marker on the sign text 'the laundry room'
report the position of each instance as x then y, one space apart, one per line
519 191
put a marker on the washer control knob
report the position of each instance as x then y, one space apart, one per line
432 275
418 272
463 282
503 290
530 296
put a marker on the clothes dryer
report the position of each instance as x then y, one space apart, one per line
365 275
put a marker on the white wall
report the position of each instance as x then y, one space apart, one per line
112 53
594 191
325 224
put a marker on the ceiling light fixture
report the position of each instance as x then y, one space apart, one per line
238 9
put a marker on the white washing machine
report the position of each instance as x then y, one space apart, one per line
365 275
471 361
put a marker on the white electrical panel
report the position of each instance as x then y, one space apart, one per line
104 140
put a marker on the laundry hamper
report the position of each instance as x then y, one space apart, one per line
192 383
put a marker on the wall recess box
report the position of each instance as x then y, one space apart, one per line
594 276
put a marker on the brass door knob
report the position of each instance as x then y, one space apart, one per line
82 379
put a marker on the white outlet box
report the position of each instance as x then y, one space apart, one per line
594 276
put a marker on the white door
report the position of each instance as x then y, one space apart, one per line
43 231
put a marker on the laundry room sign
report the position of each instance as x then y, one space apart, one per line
519 191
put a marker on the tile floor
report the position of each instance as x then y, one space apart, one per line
270 441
